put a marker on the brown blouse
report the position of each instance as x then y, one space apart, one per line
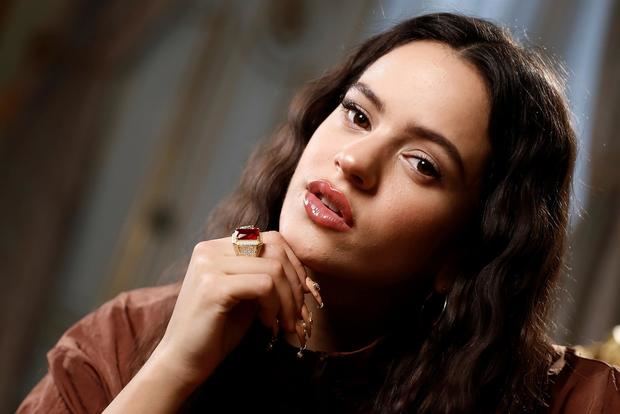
91 363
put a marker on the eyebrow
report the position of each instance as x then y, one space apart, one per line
418 130
440 140
368 93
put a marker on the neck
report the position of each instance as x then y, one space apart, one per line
352 317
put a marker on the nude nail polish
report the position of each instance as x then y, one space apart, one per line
307 317
314 289
302 335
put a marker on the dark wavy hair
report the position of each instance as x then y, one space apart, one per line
489 351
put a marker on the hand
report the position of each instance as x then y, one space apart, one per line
220 297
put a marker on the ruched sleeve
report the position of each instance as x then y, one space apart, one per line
586 386
95 358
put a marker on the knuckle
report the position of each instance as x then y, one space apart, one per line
208 285
276 267
203 252
265 283
273 236
201 260
270 233
280 253
221 290
201 247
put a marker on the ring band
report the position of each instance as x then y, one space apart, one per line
247 241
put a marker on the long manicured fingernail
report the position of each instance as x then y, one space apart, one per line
307 317
302 333
306 288
314 289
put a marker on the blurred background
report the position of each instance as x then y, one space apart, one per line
123 123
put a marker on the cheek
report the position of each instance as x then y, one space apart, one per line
424 214
322 144
413 229
316 157
293 223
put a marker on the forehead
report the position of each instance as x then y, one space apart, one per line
429 84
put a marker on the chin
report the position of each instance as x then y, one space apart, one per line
318 248
302 242
311 249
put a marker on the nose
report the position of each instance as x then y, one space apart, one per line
359 164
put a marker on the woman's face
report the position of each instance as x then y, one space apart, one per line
407 148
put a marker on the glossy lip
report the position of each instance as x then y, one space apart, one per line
320 213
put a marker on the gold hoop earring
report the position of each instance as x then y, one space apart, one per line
427 304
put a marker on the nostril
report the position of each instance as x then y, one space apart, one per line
357 179
349 168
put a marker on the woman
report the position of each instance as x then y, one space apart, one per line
415 207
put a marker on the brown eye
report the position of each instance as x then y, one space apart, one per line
355 115
425 166
359 119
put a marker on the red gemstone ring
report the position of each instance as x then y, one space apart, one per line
246 241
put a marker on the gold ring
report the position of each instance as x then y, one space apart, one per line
247 241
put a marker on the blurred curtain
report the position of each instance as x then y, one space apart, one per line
52 116
593 283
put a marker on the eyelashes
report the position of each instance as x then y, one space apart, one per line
355 115
426 166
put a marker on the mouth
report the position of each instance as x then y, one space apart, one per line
327 202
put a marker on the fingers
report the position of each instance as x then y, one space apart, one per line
299 268
307 317
277 259
315 289
245 286
251 286
244 264
278 252
307 285
304 327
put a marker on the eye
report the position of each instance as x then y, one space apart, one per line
425 166
354 114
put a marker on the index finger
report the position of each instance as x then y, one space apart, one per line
276 237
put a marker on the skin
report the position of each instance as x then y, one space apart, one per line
406 220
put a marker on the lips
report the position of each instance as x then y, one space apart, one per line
332 198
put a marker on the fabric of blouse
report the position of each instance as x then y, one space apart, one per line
92 361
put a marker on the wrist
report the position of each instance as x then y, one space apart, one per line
159 387
183 376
